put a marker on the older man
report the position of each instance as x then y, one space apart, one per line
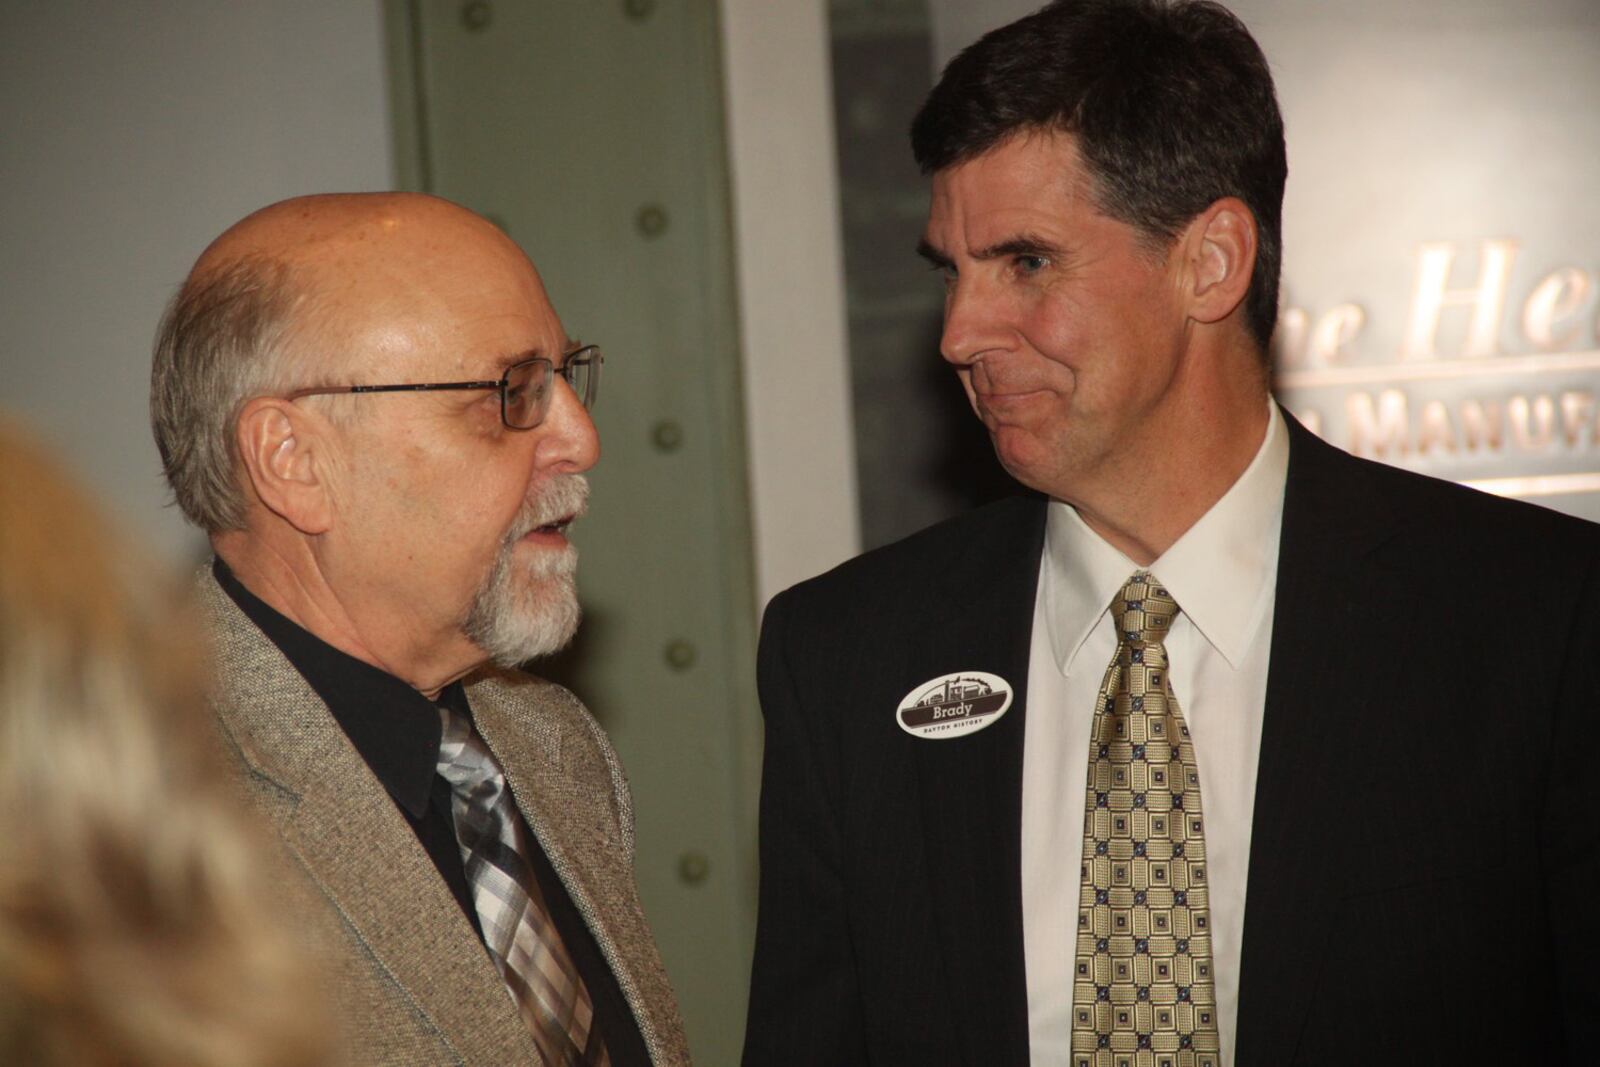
370 406
1227 748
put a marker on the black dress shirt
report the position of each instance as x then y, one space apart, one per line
397 731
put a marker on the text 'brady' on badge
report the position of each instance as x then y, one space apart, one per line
954 704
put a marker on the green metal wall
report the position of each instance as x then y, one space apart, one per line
592 131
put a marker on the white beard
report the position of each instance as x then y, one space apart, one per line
527 609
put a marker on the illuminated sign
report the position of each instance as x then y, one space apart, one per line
1451 400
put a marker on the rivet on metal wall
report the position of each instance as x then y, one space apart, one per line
693 868
651 220
477 15
680 654
667 436
639 9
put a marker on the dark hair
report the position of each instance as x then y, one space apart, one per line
1170 102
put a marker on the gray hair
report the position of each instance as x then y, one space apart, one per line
220 343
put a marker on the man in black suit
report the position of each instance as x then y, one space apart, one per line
1381 690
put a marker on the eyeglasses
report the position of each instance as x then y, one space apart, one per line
524 387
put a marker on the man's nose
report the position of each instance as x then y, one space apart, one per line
973 322
568 440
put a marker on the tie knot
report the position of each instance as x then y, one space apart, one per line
1143 611
464 760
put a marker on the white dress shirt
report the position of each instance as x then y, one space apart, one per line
1223 573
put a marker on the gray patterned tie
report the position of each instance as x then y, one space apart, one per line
1144 994
522 940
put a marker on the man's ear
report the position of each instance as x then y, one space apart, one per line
286 457
1220 257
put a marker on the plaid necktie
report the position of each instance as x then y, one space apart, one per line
1143 992
517 929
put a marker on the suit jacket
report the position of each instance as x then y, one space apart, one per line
1424 856
410 980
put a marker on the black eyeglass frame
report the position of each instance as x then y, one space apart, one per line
586 356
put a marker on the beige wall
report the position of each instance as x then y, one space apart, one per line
791 289
130 135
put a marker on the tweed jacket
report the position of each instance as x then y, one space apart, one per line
410 981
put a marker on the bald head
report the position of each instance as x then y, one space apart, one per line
308 291
354 231
376 273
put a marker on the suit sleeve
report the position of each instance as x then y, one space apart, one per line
804 1001
1569 838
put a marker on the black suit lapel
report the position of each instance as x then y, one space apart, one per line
1320 681
971 791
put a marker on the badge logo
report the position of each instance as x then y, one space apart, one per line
954 705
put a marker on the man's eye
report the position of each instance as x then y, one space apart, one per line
1031 264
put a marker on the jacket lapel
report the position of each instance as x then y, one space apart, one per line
1320 682
367 860
971 786
537 732
356 847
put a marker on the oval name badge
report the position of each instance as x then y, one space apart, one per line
953 705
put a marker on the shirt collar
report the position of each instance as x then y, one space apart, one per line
1221 571
395 728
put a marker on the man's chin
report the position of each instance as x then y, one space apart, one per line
526 618
549 620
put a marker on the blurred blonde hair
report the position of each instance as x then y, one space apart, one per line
132 931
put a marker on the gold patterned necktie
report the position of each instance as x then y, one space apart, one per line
1143 990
